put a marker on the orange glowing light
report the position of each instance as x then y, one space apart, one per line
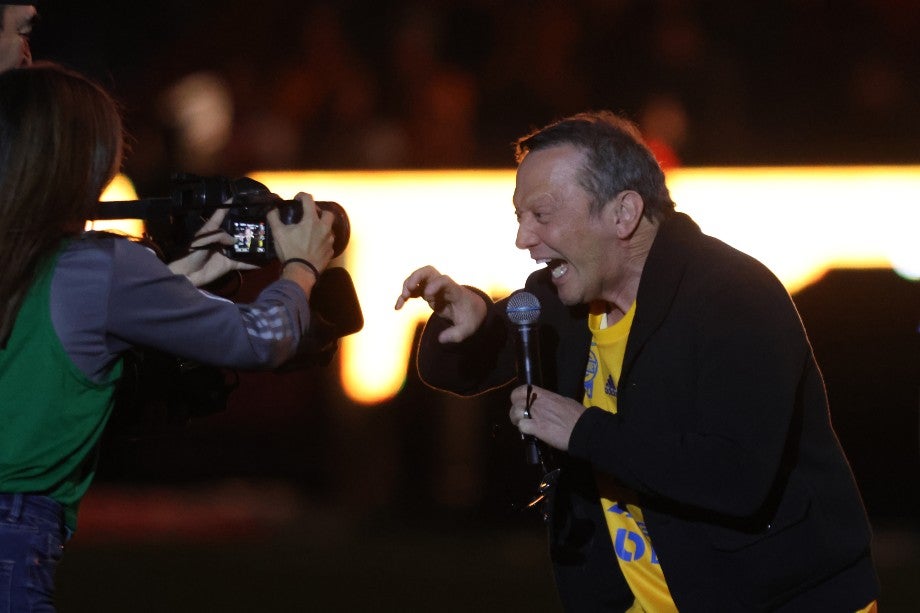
119 189
802 221
798 221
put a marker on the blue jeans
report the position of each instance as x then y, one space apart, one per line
31 545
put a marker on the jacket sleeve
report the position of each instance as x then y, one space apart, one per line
482 362
110 294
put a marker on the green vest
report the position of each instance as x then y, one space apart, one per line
51 414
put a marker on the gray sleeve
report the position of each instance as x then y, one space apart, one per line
110 294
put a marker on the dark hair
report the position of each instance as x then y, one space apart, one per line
60 145
616 159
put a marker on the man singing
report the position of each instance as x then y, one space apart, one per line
699 470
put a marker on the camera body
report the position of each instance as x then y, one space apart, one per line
249 202
253 241
173 221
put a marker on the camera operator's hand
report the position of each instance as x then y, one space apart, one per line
310 239
205 262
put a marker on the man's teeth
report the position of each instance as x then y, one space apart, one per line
557 267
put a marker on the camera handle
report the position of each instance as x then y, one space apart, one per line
135 209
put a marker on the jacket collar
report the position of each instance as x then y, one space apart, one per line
660 279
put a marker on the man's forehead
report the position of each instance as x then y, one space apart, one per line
557 164
548 175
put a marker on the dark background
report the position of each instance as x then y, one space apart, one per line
452 83
294 498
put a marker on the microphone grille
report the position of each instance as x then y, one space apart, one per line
523 308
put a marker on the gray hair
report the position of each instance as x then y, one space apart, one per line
616 159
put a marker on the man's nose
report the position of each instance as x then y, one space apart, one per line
525 239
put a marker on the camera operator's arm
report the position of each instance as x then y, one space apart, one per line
205 262
110 294
310 239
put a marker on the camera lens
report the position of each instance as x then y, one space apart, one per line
341 226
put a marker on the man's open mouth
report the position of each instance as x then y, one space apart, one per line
556 267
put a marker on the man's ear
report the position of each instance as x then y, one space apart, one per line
628 208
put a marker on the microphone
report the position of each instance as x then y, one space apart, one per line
523 310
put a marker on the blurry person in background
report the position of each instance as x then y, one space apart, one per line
73 302
16 20
665 126
698 469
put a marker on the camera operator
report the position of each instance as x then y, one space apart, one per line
72 302
16 20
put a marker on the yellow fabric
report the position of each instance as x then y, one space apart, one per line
628 533
872 607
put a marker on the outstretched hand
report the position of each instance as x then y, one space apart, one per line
205 262
448 299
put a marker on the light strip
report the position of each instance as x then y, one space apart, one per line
798 221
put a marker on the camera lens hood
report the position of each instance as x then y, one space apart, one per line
341 225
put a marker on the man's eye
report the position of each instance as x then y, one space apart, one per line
537 216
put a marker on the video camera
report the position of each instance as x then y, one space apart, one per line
170 389
173 221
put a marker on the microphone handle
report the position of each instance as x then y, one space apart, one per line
531 450
529 374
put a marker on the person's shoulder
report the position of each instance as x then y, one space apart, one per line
682 238
115 245
90 246
100 251
710 265
85 267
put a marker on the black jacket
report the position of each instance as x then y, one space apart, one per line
722 430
